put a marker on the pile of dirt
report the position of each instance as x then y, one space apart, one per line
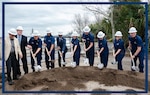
67 78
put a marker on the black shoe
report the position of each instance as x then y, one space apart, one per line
10 82
33 70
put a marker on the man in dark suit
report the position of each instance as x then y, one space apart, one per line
62 49
23 43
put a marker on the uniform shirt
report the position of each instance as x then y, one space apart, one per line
88 39
49 40
35 44
61 42
136 42
119 44
103 44
76 42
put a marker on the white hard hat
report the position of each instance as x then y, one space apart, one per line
100 34
75 34
19 28
86 29
60 33
35 33
48 30
12 31
118 33
100 66
132 30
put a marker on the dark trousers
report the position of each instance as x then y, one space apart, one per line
59 59
141 65
52 55
38 58
25 65
104 58
90 56
119 58
76 57
11 63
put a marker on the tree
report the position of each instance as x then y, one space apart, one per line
107 14
80 22
126 16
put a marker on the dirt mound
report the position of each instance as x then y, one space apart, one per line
67 78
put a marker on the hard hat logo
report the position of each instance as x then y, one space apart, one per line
48 30
86 29
35 33
60 33
118 33
19 28
12 31
100 34
75 34
132 30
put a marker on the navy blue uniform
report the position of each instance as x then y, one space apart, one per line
35 45
137 42
49 41
61 42
119 44
104 54
76 56
90 53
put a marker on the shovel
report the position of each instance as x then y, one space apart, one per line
48 56
114 60
99 65
36 67
133 66
62 61
73 64
85 60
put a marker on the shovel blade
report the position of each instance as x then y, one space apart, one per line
36 68
133 68
86 60
100 65
73 64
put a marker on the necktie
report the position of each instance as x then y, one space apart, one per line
19 39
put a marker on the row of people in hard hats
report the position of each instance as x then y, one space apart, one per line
135 45
15 45
12 49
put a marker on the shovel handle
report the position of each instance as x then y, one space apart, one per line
113 52
131 57
33 56
97 54
47 52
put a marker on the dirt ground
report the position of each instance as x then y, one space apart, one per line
70 79
82 78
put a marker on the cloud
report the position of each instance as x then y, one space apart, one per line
41 16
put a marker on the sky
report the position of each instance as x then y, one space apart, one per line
59 18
